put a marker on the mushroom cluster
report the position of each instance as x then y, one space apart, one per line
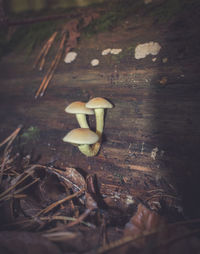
83 137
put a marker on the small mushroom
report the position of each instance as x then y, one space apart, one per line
99 104
81 111
83 137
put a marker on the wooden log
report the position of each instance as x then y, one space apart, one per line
151 135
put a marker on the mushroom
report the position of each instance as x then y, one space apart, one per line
99 104
81 111
83 137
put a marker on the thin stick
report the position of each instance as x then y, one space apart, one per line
10 139
20 190
66 218
56 62
122 241
39 55
46 78
20 181
50 207
49 44
14 134
45 48
161 195
80 218
60 236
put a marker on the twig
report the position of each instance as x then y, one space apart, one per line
161 195
79 219
51 70
60 236
45 51
123 241
71 28
20 190
10 139
20 181
57 60
40 55
50 207
156 190
14 134
66 218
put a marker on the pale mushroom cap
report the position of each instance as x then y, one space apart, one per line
81 136
98 102
78 107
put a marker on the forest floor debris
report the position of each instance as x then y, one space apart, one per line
62 205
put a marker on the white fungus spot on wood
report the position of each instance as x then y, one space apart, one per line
70 57
106 52
115 51
95 62
154 153
129 200
111 51
145 49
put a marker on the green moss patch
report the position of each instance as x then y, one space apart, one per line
32 134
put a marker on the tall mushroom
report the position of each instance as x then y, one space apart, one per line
78 108
99 105
83 137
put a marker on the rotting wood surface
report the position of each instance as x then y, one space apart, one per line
152 133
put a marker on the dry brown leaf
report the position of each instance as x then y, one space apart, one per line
143 222
71 178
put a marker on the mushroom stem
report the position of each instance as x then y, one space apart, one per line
81 118
99 114
87 150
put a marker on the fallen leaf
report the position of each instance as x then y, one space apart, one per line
143 222
71 177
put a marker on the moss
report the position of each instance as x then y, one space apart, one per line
27 37
34 35
115 13
32 134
